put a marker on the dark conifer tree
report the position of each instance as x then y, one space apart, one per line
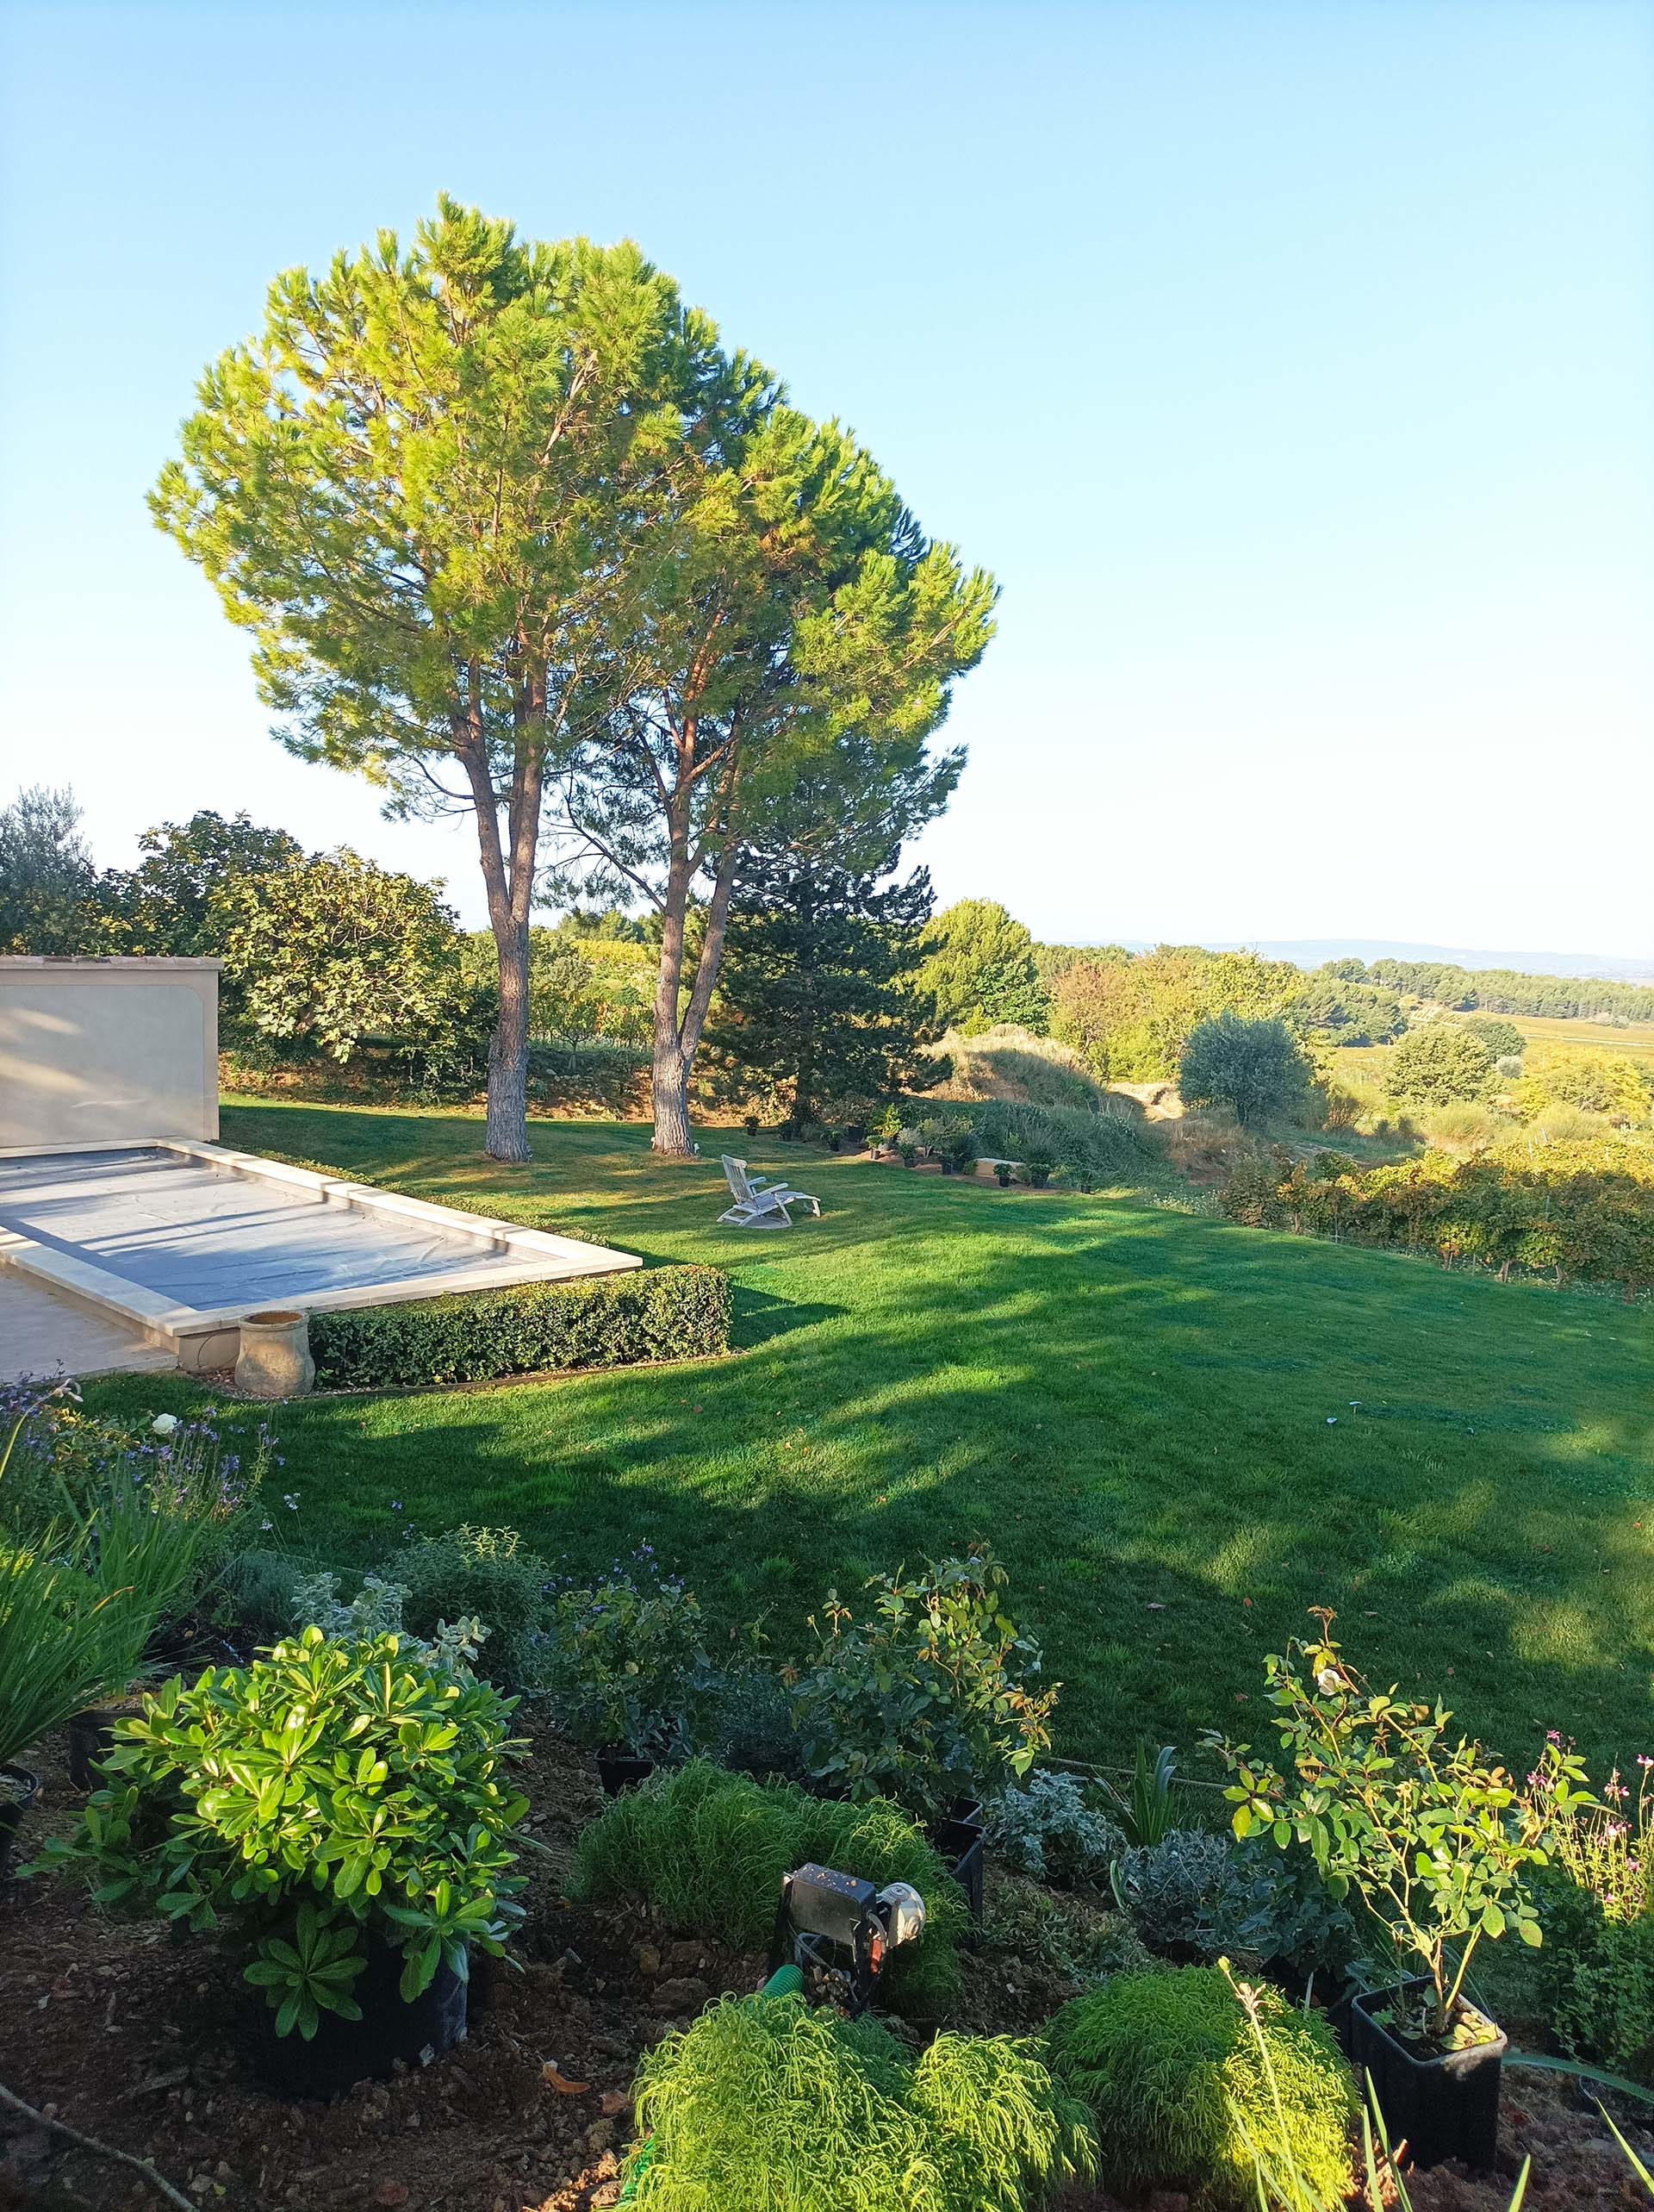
817 1011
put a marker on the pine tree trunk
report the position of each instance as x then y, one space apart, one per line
676 1036
509 884
672 1133
507 1123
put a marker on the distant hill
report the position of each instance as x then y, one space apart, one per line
1312 951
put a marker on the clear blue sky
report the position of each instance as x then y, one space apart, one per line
1290 365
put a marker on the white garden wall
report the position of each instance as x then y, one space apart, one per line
107 1052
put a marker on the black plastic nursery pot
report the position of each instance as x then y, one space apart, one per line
1447 2106
91 1738
390 2034
18 1790
618 1770
959 1840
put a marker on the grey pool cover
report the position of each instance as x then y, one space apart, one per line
208 1237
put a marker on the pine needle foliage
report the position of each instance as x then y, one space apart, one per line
769 2105
1179 2085
708 1850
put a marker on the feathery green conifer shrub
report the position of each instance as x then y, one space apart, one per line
708 1850
768 2104
1171 2072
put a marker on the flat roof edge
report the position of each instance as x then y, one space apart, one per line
89 963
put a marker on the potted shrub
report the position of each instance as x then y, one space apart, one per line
927 1701
956 1147
1040 1166
1431 1838
345 1818
907 1152
1002 1173
884 1127
627 1667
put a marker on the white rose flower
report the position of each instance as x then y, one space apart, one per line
164 1425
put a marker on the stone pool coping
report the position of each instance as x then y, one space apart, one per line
203 1337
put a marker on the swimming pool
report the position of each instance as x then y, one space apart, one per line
183 1239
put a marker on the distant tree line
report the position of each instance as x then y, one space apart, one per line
1505 991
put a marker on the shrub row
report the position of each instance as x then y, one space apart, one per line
609 1321
1583 1211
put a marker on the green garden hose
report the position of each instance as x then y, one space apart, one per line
785 1981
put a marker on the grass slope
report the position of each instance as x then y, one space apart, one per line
1133 1405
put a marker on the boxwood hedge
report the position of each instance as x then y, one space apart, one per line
604 1321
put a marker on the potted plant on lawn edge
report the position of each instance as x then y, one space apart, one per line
1431 1837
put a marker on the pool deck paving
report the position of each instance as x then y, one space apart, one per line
41 1334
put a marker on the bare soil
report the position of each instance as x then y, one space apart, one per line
140 2038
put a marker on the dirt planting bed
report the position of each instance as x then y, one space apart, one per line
139 2039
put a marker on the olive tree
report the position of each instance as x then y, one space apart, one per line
1253 1067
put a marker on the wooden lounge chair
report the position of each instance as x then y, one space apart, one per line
760 1203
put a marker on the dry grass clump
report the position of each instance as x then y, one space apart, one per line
1014 1064
1206 1144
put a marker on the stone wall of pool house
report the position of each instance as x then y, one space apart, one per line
107 1052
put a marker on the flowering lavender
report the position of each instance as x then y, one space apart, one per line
54 1454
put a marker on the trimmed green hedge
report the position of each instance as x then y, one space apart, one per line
598 1321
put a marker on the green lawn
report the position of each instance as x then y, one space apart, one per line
1133 1405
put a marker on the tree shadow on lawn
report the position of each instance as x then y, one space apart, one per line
1145 1641
1159 1543
760 1317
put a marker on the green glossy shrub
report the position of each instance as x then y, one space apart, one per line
606 1321
1170 2070
765 2104
708 1850
323 1798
